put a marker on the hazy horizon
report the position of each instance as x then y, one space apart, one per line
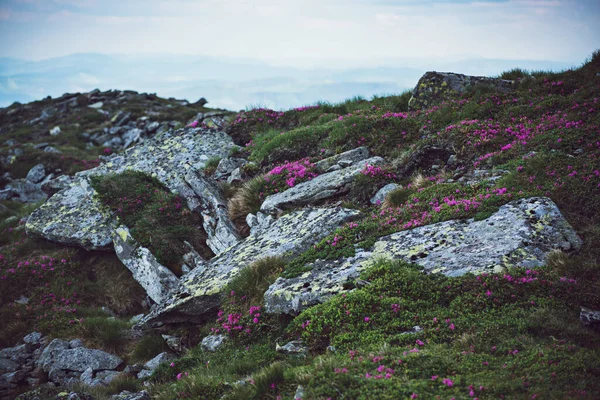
239 53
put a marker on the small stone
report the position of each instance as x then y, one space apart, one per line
22 300
51 149
293 347
36 174
173 342
213 342
381 193
75 343
145 373
299 393
331 349
162 358
33 338
96 105
55 131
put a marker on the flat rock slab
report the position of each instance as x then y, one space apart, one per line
200 289
155 278
321 187
74 217
520 234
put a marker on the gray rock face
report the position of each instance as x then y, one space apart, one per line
58 356
205 197
213 342
343 159
323 186
521 233
156 279
199 291
381 193
36 173
228 165
434 87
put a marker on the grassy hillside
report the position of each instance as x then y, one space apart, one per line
514 335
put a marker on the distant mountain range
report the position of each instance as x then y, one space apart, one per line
227 83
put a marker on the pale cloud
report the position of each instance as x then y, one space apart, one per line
306 33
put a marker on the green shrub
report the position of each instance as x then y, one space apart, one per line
148 347
255 279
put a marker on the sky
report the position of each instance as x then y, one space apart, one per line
306 34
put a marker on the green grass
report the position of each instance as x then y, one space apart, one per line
157 219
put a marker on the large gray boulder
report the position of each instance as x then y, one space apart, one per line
74 217
435 87
321 187
200 290
155 278
521 233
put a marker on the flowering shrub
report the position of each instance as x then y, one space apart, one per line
287 175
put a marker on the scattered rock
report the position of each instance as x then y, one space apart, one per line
213 342
227 166
293 347
299 393
125 395
23 191
342 160
199 291
55 131
521 233
381 193
322 187
33 338
173 342
589 317
36 174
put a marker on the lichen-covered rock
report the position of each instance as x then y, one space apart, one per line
199 291
322 187
342 160
74 217
156 279
435 87
521 233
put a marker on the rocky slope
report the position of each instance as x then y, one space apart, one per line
436 243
